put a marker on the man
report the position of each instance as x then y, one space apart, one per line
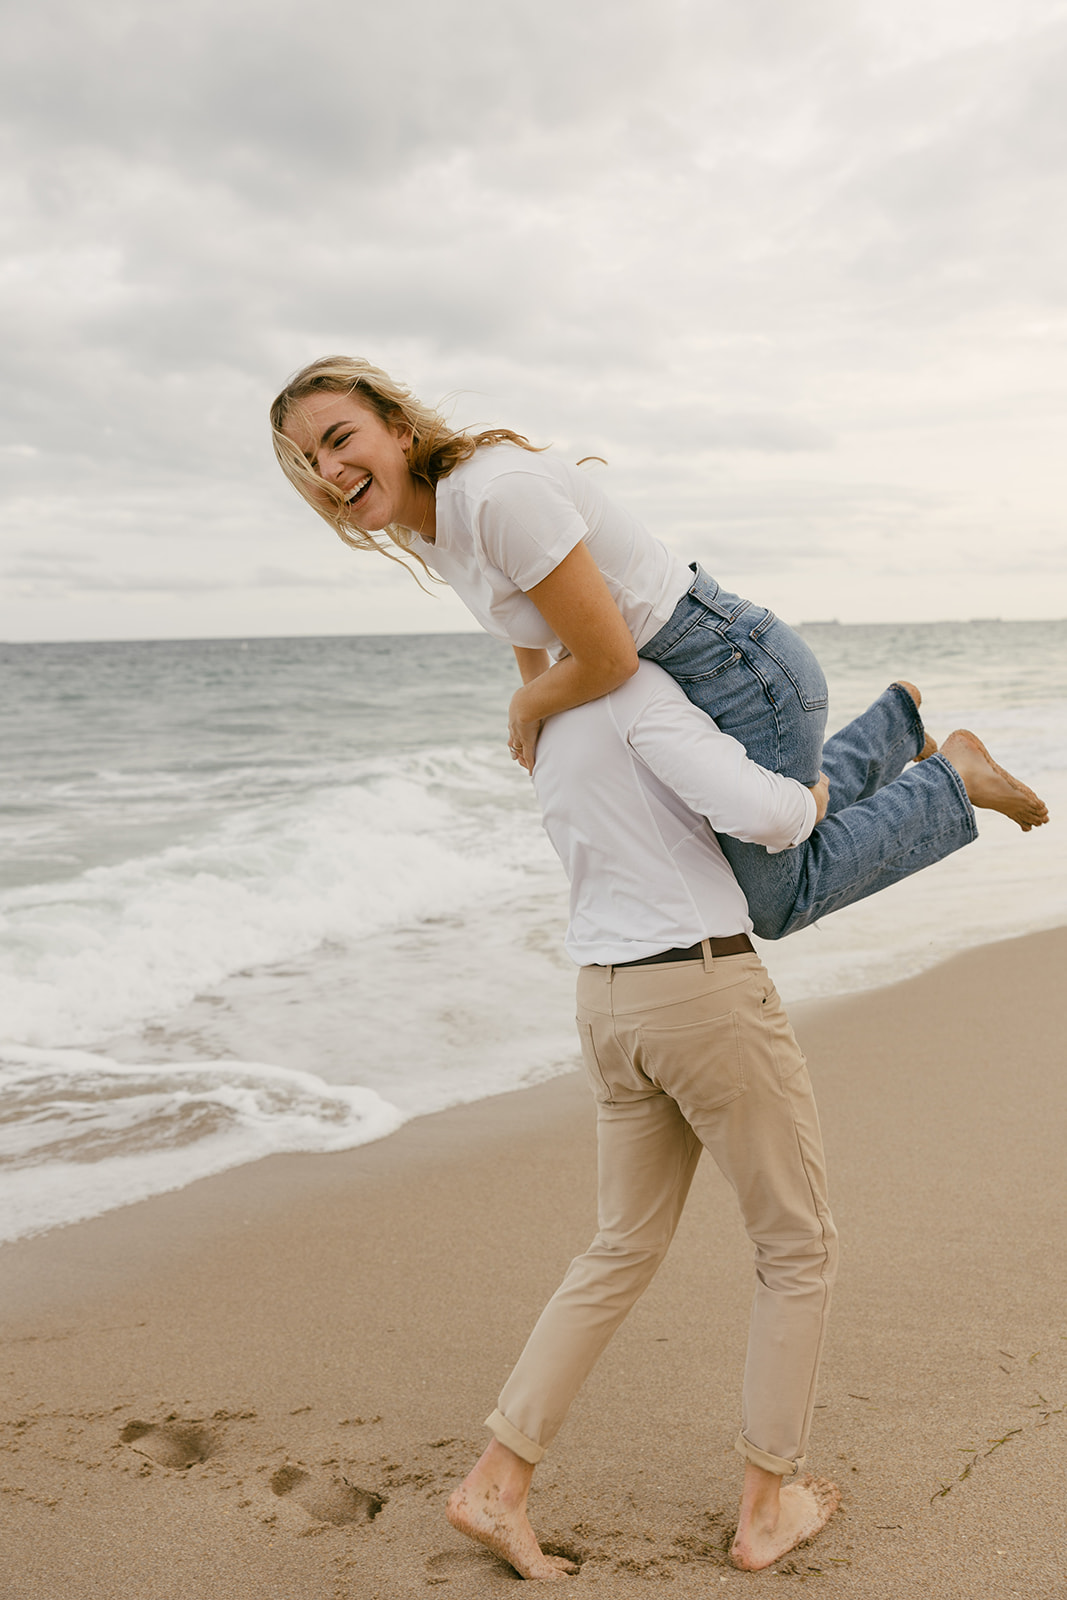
687 1048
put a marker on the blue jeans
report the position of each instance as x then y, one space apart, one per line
763 685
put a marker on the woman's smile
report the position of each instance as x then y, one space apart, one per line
351 447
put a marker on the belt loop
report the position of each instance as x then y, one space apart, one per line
611 973
705 945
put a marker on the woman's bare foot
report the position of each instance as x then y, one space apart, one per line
773 1523
490 1506
988 785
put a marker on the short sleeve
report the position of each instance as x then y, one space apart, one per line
526 524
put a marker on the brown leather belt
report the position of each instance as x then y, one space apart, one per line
737 944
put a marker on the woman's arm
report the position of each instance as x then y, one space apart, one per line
577 605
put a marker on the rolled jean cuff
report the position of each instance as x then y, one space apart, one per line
764 1459
913 715
515 1440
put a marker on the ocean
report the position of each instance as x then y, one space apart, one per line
286 894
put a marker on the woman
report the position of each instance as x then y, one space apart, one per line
580 589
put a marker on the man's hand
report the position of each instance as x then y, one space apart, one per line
522 732
821 793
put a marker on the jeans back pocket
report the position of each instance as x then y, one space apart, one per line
700 653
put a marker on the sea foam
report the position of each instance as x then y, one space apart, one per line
83 1134
290 895
122 943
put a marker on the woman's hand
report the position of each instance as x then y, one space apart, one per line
522 731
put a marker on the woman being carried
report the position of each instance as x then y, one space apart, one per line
545 561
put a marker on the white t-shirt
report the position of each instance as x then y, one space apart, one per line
507 517
631 786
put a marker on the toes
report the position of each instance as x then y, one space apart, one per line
548 1569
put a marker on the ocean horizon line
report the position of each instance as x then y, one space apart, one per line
475 632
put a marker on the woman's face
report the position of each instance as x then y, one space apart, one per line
350 446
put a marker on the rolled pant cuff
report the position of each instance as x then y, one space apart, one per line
515 1440
763 1458
913 714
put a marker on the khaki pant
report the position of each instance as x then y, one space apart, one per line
685 1057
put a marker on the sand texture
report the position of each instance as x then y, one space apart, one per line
267 1384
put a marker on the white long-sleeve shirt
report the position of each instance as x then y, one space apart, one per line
631 787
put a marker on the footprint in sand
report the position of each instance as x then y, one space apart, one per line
446 1565
170 1444
329 1499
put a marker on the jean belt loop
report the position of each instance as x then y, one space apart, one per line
705 945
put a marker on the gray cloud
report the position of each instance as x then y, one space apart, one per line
736 249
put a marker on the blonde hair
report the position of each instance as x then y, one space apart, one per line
434 452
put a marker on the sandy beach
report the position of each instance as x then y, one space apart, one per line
267 1384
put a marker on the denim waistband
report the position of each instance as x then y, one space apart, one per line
703 594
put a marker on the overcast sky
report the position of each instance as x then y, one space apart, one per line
795 267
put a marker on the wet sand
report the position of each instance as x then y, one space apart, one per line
267 1384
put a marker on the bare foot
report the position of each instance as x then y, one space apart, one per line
988 785
902 683
490 1506
803 1510
928 749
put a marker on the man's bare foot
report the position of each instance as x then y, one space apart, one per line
988 785
798 1512
902 683
490 1506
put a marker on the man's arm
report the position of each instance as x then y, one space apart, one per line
711 772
